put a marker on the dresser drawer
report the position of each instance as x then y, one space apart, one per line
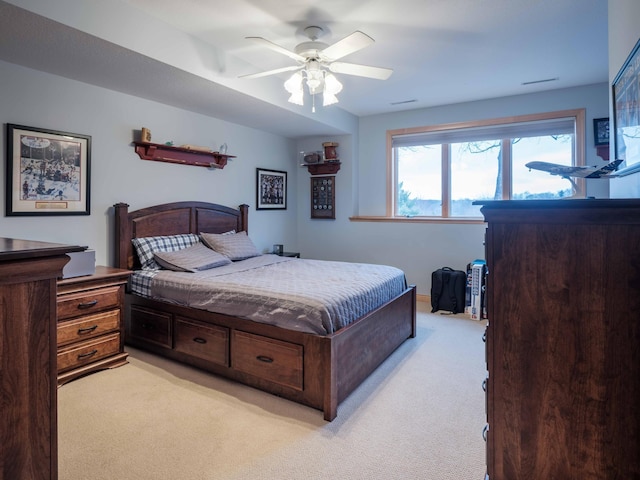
274 360
89 351
89 301
88 327
208 342
150 326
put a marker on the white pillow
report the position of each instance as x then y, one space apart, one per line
146 247
191 259
237 246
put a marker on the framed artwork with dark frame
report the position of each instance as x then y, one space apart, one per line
47 172
601 131
626 112
271 189
323 197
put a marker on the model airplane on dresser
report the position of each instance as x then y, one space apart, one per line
581 172
567 172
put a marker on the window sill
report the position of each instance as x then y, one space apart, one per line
460 220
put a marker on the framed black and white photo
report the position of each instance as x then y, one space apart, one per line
601 131
271 189
48 172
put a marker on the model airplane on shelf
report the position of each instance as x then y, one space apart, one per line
580 172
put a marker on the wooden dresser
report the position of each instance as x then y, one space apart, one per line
28 407
91 323
563 340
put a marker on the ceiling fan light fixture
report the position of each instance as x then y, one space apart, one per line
315 85
331 84
297 98
331 88
329 99
294 83
315 77
294 86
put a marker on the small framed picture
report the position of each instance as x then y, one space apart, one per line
48 172
271 189
323 197
601 131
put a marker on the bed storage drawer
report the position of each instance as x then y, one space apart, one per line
274 360
88 351
88 327
208 342
150 326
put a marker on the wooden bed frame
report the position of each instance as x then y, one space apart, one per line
318 371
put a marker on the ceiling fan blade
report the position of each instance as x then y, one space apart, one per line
351 43
277 48
271 72
378 73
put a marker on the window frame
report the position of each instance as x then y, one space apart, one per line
579 116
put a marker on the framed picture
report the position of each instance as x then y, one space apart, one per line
48 172
271 189
626 112
601 131
323 197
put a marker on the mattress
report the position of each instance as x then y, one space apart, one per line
312 296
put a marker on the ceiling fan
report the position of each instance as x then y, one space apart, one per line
317 62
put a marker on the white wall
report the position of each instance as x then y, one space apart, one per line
624 33
37 99
418 248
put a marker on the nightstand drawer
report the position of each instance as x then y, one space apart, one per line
88 327
83 303
274 360
89 351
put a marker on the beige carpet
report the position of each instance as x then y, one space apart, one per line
419 416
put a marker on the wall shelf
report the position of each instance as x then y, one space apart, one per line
326 168
185 156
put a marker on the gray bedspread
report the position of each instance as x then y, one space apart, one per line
313 296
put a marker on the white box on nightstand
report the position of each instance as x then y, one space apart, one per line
81 263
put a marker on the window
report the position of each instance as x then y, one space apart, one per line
439 171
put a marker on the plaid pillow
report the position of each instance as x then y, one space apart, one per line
237 246
146 247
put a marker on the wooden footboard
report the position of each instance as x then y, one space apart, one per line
358 349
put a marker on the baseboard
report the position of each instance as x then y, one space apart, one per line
423 298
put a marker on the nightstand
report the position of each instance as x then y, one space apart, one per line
289 254
91 323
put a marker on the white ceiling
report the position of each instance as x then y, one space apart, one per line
442 51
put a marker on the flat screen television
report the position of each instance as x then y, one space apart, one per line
626 113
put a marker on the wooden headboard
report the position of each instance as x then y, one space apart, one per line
172 219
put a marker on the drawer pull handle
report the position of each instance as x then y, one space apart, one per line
264 358
82 331
484 385
88 354
148 326
85 305
200 340
485 431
